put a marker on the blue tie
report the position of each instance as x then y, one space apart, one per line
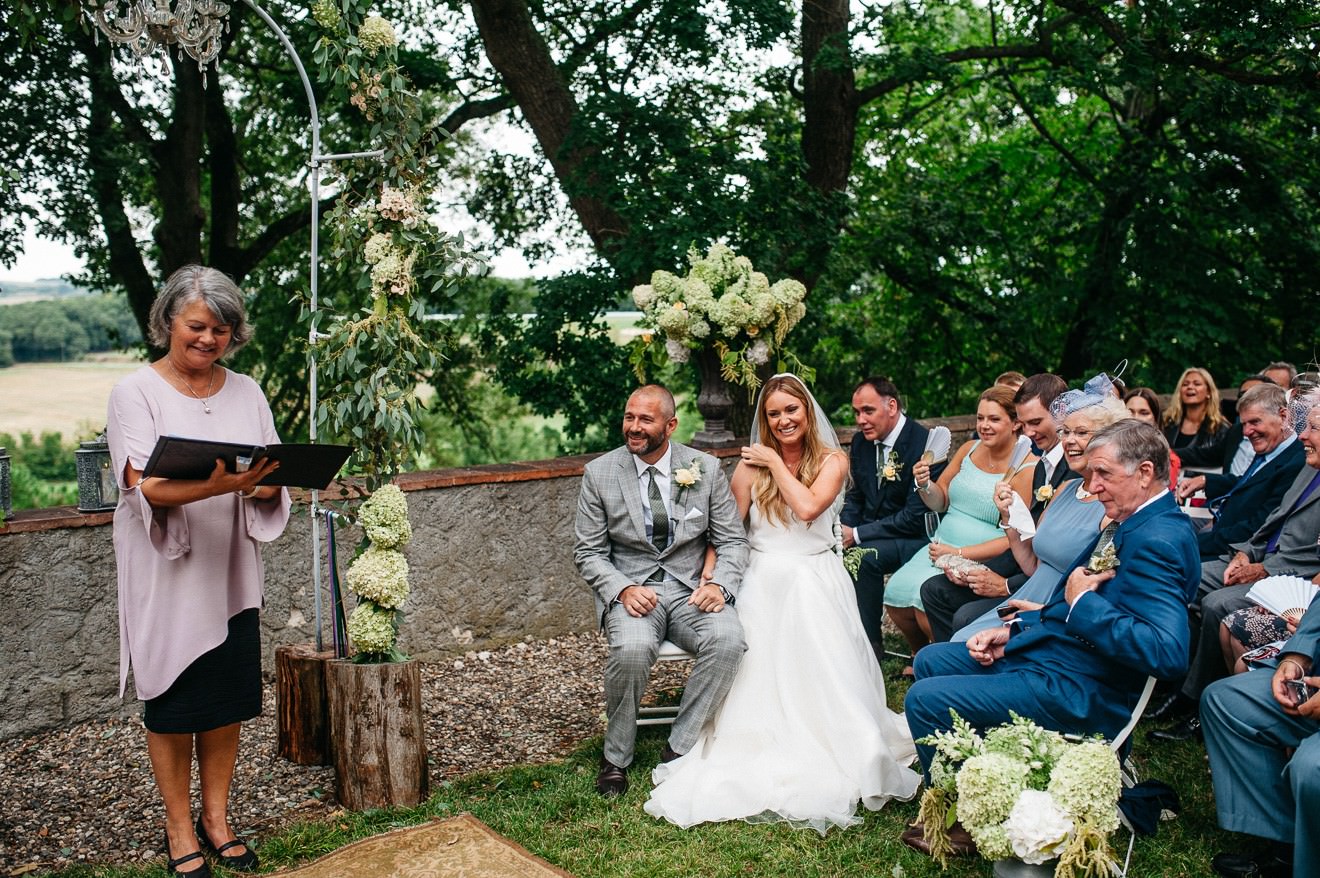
1217 505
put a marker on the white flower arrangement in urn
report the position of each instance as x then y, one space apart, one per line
722 303
379 577
1024 792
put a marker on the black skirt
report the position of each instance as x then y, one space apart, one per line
221 687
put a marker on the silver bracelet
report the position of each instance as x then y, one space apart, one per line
1295 663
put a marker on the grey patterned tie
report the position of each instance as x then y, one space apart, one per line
1106 537
659 515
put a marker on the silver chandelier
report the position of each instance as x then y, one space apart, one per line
194 26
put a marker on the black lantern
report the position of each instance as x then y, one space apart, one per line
97 488
6 502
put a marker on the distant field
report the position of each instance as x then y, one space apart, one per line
68 398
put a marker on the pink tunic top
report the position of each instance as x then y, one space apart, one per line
184 571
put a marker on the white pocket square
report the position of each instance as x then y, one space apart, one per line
693 513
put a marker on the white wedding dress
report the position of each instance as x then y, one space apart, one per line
804 733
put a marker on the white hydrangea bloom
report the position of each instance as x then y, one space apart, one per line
371 628
678 352
643 295
759 352
1086 782
377 247
379 575
375 34
988 785
384 517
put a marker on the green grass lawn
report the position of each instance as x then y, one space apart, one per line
553 811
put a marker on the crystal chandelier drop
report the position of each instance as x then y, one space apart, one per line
194 26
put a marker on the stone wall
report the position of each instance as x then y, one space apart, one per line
491 564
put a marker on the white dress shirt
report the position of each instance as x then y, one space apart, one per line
661 483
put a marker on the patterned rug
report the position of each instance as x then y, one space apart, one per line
460 847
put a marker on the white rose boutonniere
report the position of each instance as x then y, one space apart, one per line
1044 493
687 476
893 466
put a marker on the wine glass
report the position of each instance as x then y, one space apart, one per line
932 525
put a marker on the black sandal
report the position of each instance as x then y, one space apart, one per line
172 865
244 862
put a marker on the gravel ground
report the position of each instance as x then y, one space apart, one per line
85 794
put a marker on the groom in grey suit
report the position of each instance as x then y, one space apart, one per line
646 515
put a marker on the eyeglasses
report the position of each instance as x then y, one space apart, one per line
1065 432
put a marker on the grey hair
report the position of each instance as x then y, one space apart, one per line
1134 442
197 283
1268 397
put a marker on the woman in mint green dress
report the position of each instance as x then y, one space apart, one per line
970 527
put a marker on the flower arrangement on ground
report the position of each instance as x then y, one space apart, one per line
1022 791
721 303
379 577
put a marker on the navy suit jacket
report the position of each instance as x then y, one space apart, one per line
1245 510
1095 660
879 510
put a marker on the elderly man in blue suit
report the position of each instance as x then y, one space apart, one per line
1251 721
1078 664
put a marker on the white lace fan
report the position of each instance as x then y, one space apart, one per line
938 441
1286 596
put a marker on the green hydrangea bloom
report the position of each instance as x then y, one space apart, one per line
375 34
384 518
371 628
992 842
326 13
988 786
380 575
1086 783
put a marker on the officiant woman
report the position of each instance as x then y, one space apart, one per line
189 560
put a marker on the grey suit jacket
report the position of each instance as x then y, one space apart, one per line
1297 550
612 550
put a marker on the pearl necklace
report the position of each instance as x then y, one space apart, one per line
206 403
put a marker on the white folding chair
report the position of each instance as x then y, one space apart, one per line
1127 768
665 714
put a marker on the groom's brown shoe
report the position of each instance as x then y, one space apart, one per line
612 780
960 840
669 754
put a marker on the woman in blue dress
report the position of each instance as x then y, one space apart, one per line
1074 515
970 527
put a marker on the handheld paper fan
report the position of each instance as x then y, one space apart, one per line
1285 596
1021 451
938 441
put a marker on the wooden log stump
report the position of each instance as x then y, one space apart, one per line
302 728
379 740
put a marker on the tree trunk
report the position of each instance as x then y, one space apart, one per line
302 728
377 734
528 71
829 99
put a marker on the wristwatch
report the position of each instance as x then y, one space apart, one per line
728 598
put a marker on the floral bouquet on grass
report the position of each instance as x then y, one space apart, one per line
379 577
721 303
1024 792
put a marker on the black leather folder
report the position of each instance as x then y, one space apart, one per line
302 465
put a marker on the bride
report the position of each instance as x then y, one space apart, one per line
804 733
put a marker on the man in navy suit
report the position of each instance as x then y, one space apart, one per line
1240 503
1080 662
1251 721
881 509
1283 545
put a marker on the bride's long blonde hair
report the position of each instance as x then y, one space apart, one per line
814 451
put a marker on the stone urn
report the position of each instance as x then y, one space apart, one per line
715 402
